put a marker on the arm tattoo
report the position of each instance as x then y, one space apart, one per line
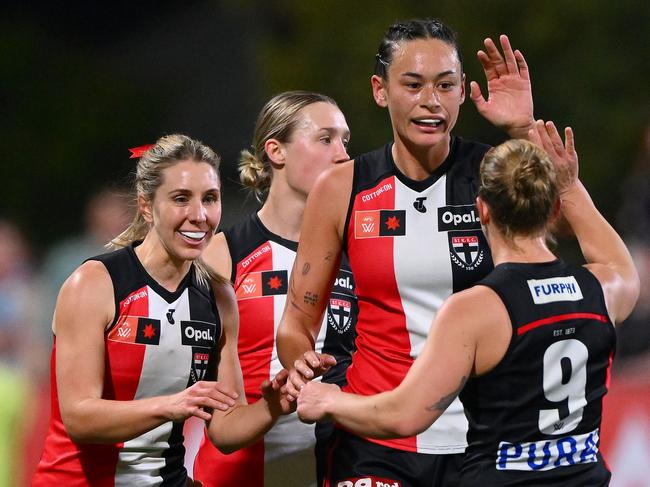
329 256
310 298
305 269
445 401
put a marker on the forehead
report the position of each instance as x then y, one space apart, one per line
321 115
190 175
424 57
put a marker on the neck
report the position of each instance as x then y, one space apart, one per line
521 249
282 211
417 162
167 271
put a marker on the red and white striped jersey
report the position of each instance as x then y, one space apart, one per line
411 244
159 343
262 263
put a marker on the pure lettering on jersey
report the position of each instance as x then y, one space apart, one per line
554 289
548 454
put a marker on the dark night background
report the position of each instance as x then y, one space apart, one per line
81 82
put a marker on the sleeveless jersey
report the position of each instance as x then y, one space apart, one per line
262 263
411 244
536 416
159 343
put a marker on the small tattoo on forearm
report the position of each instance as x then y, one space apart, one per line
310 298
305 269
293 303
329 256
445 401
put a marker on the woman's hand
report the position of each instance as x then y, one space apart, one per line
194 401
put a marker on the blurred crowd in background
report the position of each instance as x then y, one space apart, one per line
82 84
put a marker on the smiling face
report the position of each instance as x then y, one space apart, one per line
423 92
185 209
318 142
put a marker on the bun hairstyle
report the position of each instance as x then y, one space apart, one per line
167 151
518 183
277 120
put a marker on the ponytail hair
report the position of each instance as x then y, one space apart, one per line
277 120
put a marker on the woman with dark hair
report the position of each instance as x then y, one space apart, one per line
405 216
142 332
529 348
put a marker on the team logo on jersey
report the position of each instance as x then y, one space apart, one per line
136 329
266 283
340 314
379 223
418 204
200 360
466 251
554 289
460 217
369 482
198 333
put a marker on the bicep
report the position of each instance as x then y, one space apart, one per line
228 369
84 308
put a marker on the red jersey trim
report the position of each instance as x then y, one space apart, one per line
555 319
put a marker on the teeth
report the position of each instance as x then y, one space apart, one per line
194 235
430 121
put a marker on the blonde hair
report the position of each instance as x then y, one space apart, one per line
277 120
518 183
166 152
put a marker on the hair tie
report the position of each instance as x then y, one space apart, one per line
137 152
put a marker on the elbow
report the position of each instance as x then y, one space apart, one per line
222 445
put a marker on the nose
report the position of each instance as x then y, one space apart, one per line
341 154
430 98
197 212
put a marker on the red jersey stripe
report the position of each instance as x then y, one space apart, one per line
555 319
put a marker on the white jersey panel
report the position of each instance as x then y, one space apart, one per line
424 280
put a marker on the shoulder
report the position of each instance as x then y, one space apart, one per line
217 255
475 309
88 290
224 296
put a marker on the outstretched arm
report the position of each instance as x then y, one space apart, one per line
605 252
509 105
432 383
243 424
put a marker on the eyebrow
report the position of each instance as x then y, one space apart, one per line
439 75
333 129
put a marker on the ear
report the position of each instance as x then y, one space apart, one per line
275 151
483 211
379 90
462 88
145 209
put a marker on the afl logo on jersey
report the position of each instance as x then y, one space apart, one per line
197 334
461 217
379 223
340 314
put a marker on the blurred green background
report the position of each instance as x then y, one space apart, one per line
81 82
